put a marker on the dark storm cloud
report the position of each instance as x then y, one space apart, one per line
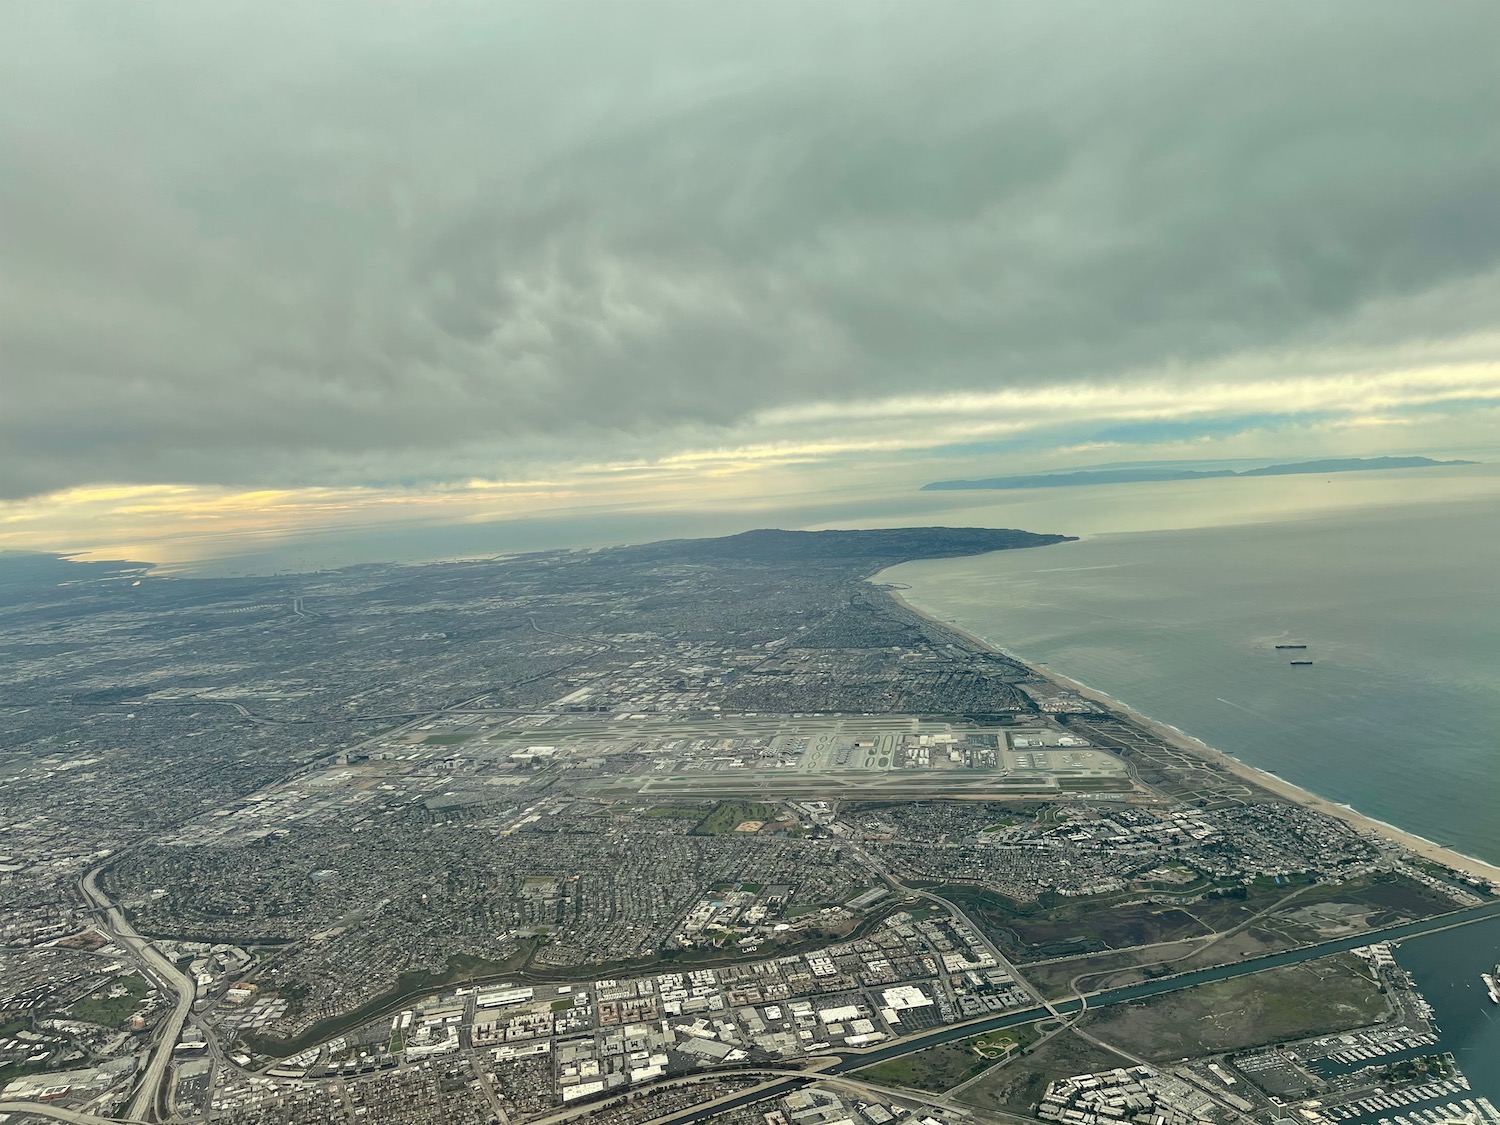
282 243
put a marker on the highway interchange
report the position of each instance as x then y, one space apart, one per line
151 1092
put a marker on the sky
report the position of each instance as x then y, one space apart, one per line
277 270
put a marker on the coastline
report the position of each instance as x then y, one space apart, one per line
1181 740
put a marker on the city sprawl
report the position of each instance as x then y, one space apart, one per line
700 830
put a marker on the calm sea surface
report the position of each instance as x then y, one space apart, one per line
1399 605
1446 968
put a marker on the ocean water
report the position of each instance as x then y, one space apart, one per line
1446 968
1399 605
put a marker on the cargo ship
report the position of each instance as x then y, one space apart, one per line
1299 663
1492 982
1291 646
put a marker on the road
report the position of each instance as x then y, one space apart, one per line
1175 983
147 1098
901 889
59 1113
167 977
854 1062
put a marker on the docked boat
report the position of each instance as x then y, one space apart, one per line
1492 982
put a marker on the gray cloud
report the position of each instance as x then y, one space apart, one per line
307 243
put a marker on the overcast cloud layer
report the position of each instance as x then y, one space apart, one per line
381 244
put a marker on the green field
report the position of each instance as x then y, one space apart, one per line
726 815
111 1011
449 739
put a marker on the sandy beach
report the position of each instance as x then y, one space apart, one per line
1419 845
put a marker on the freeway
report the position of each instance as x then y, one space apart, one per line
147 1096
166 976
60 1113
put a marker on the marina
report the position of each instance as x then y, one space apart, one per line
1447 968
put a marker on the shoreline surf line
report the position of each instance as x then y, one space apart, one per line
1471 866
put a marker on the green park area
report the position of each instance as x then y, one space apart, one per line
726 816
113 1004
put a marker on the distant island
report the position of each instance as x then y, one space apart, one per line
1145 474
